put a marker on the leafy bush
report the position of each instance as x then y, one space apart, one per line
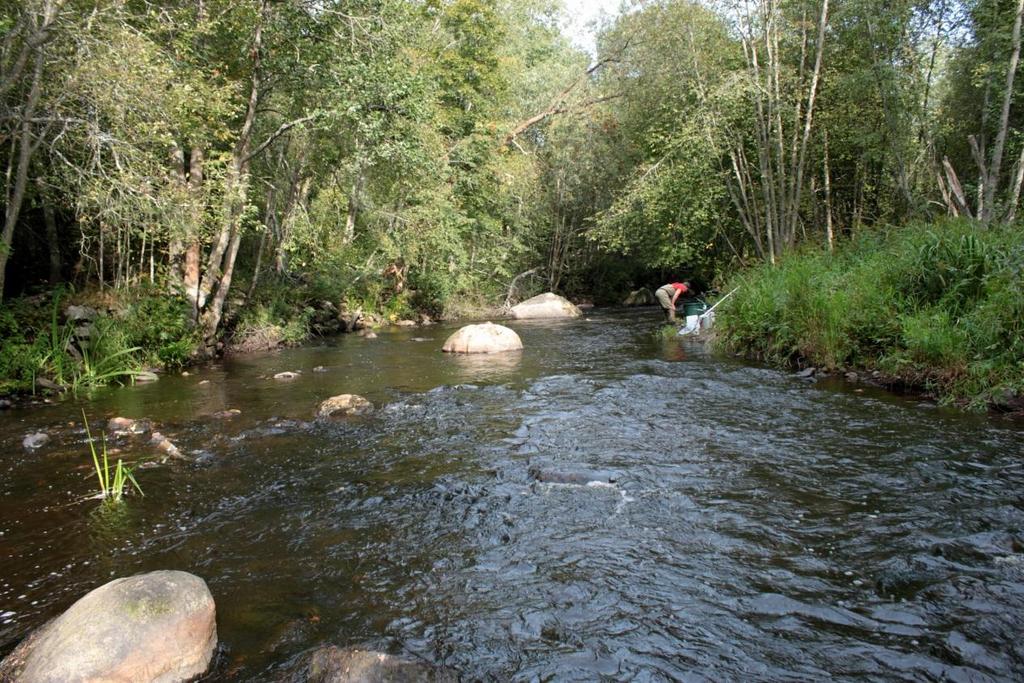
161 325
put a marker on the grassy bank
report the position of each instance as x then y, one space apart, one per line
120 336
44 341
939 306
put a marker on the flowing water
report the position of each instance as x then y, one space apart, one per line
758 527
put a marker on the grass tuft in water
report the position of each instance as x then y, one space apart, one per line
112 482
667 331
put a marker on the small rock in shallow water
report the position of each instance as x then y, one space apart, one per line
126 425
146 376
344 404
36 440
352 665
227 414
580 475
807 373
5 404
162 443
287 375
319 368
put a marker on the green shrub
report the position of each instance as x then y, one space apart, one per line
161 325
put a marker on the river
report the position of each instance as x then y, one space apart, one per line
758 527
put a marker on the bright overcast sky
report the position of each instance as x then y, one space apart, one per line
582 15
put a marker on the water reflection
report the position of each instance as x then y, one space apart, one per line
485 367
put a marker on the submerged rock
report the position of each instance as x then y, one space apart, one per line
352 665
145 376
580 475
344 404
35 440
287 375
483 338
228 414
158 626
807 373
127 425
548 305
405 323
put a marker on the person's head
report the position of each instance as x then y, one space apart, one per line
686 283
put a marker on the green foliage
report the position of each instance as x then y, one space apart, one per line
935 304
160 325
111 484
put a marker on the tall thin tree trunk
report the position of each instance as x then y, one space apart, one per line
26 147
823 21
995 165
50 222
221 264
1011 212
193 251
829 234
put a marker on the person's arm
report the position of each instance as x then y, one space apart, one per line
676 296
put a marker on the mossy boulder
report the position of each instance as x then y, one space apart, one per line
158 627
344 404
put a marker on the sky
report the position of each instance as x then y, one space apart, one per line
584 12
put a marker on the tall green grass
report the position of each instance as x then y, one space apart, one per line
113 482
939 305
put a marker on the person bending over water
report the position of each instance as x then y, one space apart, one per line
667 295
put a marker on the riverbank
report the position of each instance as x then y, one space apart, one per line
936 307
65 340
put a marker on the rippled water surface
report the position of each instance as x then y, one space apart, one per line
758 527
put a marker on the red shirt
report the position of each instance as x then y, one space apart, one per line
680 286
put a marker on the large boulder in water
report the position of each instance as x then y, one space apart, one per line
157 627
352 665
344 404
547 305
483 338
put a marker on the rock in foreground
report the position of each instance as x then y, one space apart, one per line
344 404
157 627
547 305
483 338
352 665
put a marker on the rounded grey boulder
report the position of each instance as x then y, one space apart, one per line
158 627
548 305
483 338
